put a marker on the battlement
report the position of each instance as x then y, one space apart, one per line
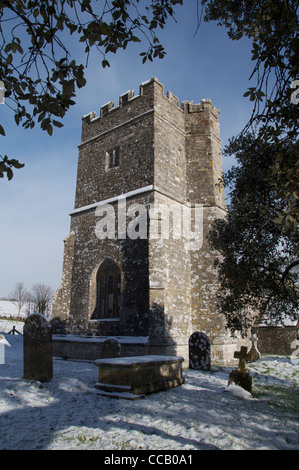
127 98
151 92
205 104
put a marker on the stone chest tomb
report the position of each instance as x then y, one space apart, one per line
137 262
133 377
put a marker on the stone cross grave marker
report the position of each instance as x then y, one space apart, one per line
243 356
37 345
241 375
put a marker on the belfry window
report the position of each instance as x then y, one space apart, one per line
112 158
108 300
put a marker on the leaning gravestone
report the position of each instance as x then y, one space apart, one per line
37 344
199 351
111 347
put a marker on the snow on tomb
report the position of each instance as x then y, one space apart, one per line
37 345
134 377
241 375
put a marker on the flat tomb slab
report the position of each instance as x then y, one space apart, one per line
139 375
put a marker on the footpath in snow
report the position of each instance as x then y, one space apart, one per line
202 414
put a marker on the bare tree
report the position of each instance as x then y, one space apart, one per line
41 298
19 296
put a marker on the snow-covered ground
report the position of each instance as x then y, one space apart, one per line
9 309
68 412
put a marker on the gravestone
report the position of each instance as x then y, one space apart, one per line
110 348
37 345
3 343
241 375
254 350
199 351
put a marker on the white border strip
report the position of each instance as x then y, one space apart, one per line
145 189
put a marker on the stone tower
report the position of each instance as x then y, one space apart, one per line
147 169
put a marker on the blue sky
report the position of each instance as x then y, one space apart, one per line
35 205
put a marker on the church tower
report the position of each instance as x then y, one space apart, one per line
137 262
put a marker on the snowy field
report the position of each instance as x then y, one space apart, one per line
203 414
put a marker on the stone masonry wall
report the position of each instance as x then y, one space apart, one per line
168 155
132 259
62 298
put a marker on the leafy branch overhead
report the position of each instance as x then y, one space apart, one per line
272 26
39 75
259 265
6 166
258 239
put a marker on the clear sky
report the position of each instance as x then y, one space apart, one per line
35 205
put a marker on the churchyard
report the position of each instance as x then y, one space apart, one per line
204 413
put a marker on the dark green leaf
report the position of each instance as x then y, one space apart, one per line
57 123
49 129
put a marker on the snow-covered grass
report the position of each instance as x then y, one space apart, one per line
68 412
8 310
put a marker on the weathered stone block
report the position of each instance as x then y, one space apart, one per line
199 351
243 379
37 344
110 348
139 375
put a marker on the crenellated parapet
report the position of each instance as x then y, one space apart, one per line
131 105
